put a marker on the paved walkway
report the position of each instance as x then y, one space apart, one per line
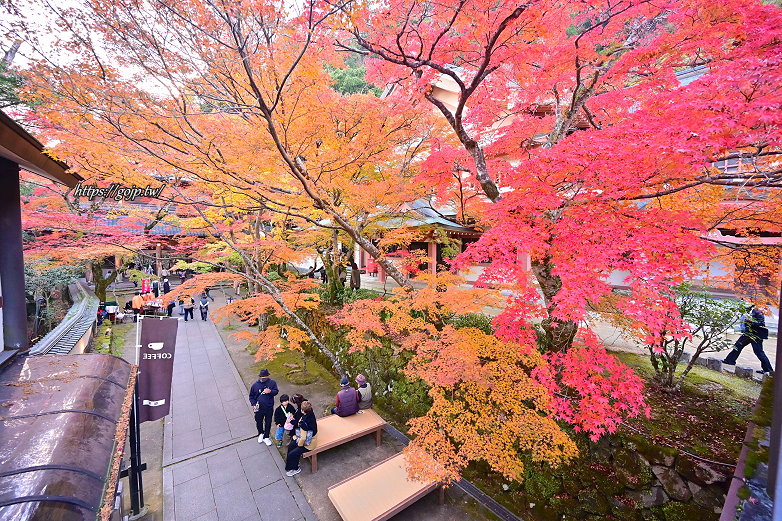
612 337
213 467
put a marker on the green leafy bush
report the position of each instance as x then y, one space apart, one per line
476 320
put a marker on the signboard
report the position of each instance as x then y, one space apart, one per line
156 366
146 285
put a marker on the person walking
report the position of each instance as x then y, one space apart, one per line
753 331
364 392
170 307
206 292
188 306
304 441
156 288
137 303
283 418
262 395
164 273
347 399
166 286
203 306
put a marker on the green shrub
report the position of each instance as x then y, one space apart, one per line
476 320
345 295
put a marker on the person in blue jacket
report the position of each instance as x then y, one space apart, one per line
262 395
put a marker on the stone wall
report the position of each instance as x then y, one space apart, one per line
629 479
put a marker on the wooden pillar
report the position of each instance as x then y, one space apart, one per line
12 259
432 254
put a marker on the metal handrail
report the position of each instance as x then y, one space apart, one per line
55 335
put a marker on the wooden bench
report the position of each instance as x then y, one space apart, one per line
379 492
335 430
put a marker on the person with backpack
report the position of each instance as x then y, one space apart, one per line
203 305
188 306
753 331
170 308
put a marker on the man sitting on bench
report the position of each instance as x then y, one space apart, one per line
347 399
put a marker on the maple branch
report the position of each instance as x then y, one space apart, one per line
773 180
271 289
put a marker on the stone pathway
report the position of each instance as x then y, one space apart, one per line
613 338
213 467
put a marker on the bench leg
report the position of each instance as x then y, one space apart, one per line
377 438
442 495
314 462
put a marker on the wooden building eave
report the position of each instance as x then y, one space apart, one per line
18 146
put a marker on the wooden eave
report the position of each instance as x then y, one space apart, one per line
18 146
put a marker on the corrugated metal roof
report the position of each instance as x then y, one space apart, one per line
58 423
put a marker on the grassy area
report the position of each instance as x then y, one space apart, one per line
708 417
698 376
110 338
291 364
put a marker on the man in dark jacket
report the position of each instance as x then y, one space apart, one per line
753 331
262 395
347 399
166 286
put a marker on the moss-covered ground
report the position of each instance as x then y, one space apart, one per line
708 418
110 338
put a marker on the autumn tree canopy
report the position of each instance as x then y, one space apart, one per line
559 128
590 156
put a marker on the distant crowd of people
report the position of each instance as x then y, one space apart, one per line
294 417
151 301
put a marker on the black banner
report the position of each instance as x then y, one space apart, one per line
156 367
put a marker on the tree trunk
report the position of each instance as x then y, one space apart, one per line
558 334
299 322
252 286
334 285
102 283
687 369
671 374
